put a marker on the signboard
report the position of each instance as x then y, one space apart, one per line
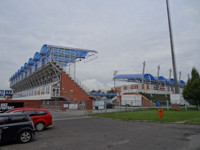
7 106
101 107
73 106
8 92
1 92
65 105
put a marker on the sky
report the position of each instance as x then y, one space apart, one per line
124 32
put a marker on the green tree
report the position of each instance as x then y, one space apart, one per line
111 91
191 91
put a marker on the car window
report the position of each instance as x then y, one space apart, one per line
40 112
16 111
16 119
30 112
3 120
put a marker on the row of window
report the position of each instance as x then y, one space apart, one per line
33 92
33 112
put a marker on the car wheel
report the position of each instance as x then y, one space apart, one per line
25 136
40 126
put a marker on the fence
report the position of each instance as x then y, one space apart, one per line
130 105
63 105
105 107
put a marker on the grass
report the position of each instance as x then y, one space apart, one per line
197 120
152 115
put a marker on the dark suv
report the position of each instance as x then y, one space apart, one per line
16 127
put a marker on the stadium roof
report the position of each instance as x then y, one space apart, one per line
147 78
71 55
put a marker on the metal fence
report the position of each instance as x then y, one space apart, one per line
80 109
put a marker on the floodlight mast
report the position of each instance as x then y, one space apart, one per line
172 51
114 74
143 70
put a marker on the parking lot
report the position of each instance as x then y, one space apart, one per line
100 134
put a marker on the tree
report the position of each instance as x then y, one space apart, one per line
191 91
111 91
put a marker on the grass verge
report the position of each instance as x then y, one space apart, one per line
152 115
195 121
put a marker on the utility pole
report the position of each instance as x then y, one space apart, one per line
170 73
157 77
143 75
172 51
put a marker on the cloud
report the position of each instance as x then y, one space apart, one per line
93 84
124 32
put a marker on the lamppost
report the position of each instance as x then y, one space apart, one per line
114 74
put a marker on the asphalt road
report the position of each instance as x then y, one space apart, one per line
109 134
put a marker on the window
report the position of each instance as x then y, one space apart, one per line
16 119
40 113
3 120
30 112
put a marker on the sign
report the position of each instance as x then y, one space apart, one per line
7 106
65 105
73 106
1 92
100 107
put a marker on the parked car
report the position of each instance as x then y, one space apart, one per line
110 105
16 127
40 117
18 108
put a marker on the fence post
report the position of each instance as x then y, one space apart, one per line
167 105
132 105
185 107
125 105
105 106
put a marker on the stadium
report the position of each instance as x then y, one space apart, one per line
50 76
147 90
49 80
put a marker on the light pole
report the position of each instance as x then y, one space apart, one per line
172 50
114 74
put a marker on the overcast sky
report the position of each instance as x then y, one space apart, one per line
124 32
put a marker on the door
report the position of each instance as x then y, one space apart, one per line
3 128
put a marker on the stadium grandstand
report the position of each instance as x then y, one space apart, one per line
145 89
51 75
151 83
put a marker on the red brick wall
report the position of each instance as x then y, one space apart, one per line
73 91
146 102
176 106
